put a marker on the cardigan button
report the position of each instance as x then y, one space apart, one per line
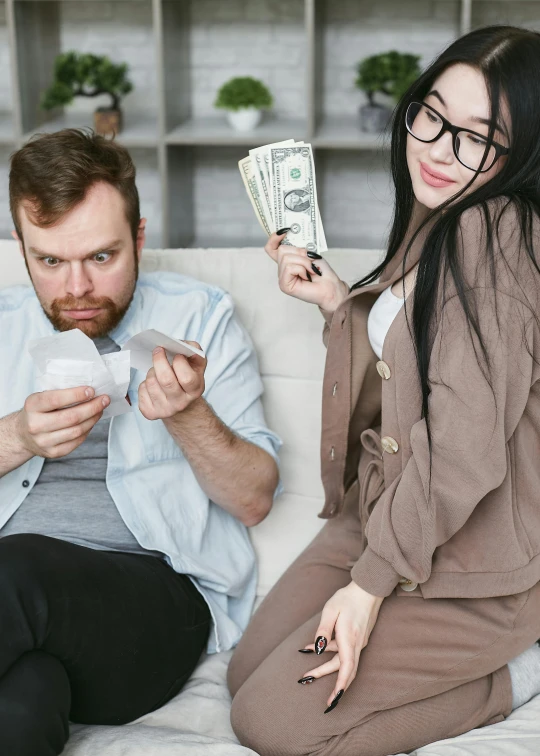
25 483
383 370
407 585
334 390
389 444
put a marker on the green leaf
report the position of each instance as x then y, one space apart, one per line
87 75
391 72
243 92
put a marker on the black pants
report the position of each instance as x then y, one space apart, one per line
88 636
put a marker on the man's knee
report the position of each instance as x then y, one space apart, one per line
23 557
35 699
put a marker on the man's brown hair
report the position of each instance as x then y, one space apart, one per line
52 174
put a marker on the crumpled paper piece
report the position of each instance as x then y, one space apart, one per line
70 359
142 345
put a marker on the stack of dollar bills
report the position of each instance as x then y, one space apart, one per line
280 182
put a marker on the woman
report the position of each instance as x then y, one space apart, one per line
431 429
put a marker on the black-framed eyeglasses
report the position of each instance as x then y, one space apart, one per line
471 148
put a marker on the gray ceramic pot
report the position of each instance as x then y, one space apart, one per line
374 118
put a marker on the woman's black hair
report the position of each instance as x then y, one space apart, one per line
508 57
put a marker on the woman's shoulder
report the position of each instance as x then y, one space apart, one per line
498 244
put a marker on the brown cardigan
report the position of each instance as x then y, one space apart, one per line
479 535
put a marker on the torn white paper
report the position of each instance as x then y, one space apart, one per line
71 359
142 345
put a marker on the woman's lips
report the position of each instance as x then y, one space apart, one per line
82 314
432 180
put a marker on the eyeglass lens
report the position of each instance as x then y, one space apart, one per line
424 124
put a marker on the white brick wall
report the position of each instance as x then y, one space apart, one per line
514 12
356 29
261 38
121 30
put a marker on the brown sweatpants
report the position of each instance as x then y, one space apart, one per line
432 668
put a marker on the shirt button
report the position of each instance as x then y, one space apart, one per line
408 585
389 444
334 390
383 370
332 453
343 319
26 483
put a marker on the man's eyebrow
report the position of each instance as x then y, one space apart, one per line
476 119
106 248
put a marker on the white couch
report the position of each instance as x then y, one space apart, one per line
287 336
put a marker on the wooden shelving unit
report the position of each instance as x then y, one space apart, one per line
172 131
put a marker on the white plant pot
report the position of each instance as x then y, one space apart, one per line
245 119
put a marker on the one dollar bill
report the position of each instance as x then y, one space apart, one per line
294 197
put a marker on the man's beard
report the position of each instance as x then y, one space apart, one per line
96 327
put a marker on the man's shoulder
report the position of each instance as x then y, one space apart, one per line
170 285
12 298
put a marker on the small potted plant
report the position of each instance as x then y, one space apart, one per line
89 76
244 98
390 73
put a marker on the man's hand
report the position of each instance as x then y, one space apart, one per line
49 427
170 389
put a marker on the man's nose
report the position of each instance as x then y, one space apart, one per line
442 150
79 282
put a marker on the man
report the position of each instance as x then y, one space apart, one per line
123 543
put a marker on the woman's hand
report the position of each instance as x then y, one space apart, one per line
351 614
298 277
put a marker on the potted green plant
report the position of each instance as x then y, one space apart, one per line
88 75
244 98
390 73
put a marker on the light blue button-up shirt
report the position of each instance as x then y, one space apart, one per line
148 477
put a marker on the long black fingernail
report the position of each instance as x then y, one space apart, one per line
314 256
283 231
320 645
317 270
308 274
306 650
307 680
334 702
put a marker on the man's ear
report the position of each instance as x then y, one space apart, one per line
15 235
141 237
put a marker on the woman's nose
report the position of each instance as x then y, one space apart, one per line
442 149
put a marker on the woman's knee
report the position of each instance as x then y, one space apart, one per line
35 699
255 726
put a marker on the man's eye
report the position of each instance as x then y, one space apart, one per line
50 262
102 257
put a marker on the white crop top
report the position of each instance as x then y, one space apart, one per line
382 313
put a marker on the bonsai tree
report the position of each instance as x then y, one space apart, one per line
243 92
391 73
88 76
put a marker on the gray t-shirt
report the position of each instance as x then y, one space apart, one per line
70 499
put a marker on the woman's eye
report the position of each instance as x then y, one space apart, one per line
432 117
102 257
476 141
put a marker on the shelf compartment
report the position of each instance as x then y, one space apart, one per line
139 130
344 133
215 131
